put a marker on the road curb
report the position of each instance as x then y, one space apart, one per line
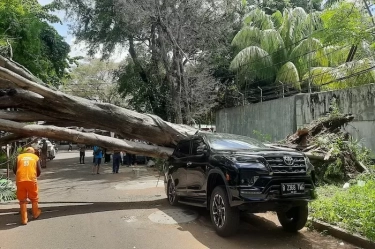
342 234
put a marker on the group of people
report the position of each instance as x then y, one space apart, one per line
118 158
28 168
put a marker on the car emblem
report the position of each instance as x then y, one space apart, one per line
288 160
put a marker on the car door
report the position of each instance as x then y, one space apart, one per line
178 162
197 170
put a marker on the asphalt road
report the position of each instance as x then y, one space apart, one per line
127 210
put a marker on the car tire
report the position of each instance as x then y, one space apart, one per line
172 194
225 218
294 219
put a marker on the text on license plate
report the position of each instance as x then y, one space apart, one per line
292 188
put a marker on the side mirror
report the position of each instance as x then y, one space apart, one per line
202 150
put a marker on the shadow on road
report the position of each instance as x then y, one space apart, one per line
70 169
9 218
254 232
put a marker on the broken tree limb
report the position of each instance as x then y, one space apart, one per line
11 138
330 124
59 133
24 116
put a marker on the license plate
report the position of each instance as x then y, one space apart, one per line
292 188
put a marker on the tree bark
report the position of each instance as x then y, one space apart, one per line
58 133
60 108
11 138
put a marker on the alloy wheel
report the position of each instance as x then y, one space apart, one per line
171 192
218 210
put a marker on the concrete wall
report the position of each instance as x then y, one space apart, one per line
359 101
282 117
276 118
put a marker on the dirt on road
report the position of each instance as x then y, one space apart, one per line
130 210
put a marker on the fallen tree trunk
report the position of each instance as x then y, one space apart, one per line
62 109
58 133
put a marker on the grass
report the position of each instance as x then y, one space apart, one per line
352 209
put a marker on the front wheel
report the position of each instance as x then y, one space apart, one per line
172 193
224 217
294 219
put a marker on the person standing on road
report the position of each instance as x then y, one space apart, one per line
98 155
43 153
116 161
82 149
70 146
27 169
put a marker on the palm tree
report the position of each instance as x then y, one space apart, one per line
7 190
277 48
280 48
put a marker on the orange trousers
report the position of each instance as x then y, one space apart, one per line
27 190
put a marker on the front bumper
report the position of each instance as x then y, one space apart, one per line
268 189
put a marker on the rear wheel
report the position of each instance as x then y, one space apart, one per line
224 217
294 219
172 193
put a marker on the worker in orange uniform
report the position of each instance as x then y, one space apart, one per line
27 169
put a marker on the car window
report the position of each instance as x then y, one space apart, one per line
182 149
196 144
221 141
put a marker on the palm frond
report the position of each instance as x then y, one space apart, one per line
321 76
253 61
277 19
336 55
258 18
329 3
364 50
300 55
288 74
7 190
363 71
271 41
247 36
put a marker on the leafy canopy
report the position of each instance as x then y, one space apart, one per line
27 37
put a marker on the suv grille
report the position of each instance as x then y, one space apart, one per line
279 167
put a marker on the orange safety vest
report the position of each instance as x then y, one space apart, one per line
27 167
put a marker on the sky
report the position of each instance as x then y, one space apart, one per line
78 49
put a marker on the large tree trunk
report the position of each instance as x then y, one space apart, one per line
39 102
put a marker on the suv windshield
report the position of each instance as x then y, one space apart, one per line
222 141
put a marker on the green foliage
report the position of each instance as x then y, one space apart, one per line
261 136
273 49
7 190
343 148
345 23
3 160
151 96
272 6
160 164
26 36
95 79
352 209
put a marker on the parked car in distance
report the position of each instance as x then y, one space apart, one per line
228 174
51 150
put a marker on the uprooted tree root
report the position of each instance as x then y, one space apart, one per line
335 155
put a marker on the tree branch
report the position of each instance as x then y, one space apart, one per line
84 138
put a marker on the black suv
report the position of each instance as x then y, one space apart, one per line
228 173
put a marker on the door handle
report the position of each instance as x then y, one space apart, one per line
188 164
